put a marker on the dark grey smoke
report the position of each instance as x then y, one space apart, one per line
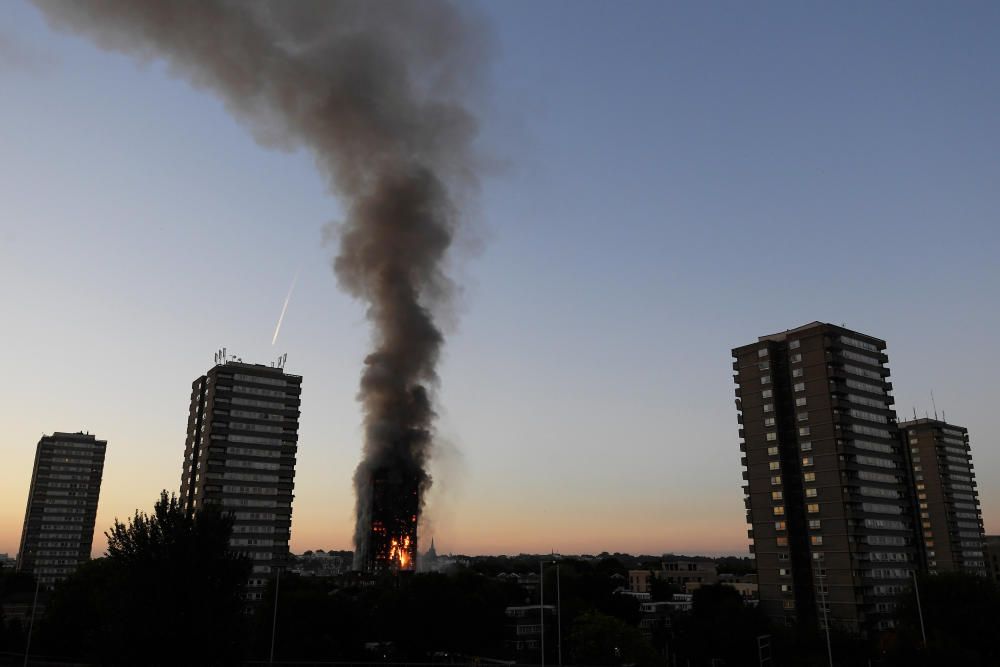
378 91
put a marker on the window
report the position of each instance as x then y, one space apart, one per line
816 540
788 604
762 352
794 344
804 430
779 525
796 358
769 421
784 572
775 480
810 493
782 541
765 379
774 465
779 510
783 556
806 446
802 416
800 401
776 495
799 386
763 366
809 477
769 407
797 373
812 508
814 524
772 451
766 393
771 437
786 588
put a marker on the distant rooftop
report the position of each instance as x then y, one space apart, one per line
930 422
782 335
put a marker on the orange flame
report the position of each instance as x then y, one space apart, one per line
399 552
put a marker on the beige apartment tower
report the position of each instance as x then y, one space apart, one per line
242 441
951 520
58 531
826 477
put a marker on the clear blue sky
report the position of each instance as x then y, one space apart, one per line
672 180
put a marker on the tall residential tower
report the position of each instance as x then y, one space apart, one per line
58 529
827 492
951 520
240 455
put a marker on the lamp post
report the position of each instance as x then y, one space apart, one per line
920 611
541 605
31 625
274 618
559 614
541 608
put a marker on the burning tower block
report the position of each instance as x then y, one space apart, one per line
395 503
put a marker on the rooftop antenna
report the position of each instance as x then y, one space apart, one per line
934 404
914 413
944 417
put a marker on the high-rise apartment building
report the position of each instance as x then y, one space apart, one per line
827 492
951 521
58 529
240 455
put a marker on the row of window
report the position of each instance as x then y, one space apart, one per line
862 358
276 382
249 451
267 416
255 403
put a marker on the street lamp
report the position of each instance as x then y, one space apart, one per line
541 607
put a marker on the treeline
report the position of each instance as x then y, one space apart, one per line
169 593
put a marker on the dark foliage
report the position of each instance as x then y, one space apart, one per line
599 639
15 588
168 592
961 617
417 617
720 626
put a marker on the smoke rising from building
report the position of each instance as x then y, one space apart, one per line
378 92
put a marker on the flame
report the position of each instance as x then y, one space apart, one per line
399 552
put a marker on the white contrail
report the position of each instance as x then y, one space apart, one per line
284 308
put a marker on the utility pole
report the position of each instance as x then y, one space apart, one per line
274 619
541 605
559 614
825 596
31 625
920 611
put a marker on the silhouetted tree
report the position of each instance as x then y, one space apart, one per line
961 612
720 626
599 639
15 588
169 591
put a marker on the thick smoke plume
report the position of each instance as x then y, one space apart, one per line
378 91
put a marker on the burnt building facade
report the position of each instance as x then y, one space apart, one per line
240 453
395 507
826 488
58 532
944 484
